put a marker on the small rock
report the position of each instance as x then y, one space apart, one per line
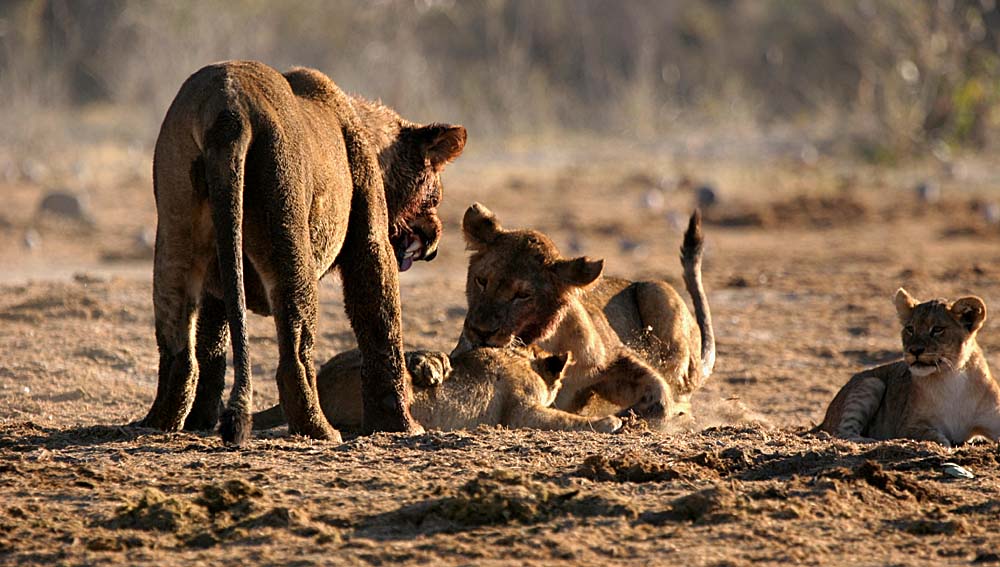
81 171
145 238
928 192
69 205
677 221
653 200
991 213
809 154
955 470
31 239
87 279
707 196
628 245
575 245
9 172
33 171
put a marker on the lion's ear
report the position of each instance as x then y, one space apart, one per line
555 364
970 312
441 143
904 304
552 367
578 272
480 227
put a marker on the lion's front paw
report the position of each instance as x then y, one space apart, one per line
428 368
608 424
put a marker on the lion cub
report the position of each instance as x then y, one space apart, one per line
941 391
634 343
486 386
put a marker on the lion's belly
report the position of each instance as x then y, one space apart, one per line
330 208
328 229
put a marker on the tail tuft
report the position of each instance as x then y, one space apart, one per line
694 240
235 427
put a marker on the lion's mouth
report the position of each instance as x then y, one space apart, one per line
415 240
927 366
411 250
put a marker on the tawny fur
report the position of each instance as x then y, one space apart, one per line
264 182
486 386
635 344
941 391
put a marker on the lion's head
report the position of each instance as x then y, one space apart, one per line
518 284
938 335
411 168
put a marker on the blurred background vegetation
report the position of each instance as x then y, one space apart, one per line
878 78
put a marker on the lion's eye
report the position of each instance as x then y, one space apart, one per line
908 329
937 331
521 296
481 282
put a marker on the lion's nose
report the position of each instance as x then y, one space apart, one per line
480 334
916 350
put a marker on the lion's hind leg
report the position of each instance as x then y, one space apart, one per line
854 407
177 369
671 337
287 267
212 343
183 250
631 384
175 311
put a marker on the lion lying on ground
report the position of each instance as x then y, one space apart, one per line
264 183
486 386
941 391
634 344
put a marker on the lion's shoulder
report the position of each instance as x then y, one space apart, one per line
312 84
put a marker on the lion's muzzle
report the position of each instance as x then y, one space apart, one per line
420 240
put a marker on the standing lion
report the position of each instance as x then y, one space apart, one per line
264 183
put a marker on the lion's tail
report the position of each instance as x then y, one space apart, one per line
270 418
691 254
225 152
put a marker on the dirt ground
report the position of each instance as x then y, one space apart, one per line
801 265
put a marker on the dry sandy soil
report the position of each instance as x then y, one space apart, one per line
801 265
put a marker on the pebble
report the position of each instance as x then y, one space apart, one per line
809 154
629 245
956 471
991 213
31 239
928 192
575 245
145 238
707 196
677 221
653 200
34 171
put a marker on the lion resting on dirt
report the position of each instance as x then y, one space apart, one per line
520 290
486 386
942 391
264 182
